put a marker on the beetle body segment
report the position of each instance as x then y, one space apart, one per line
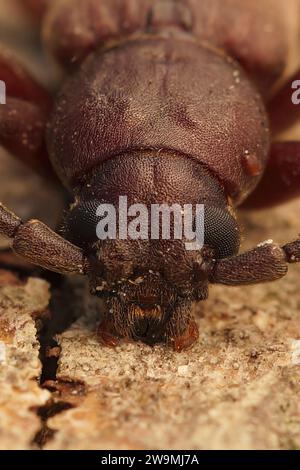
261 35
161 94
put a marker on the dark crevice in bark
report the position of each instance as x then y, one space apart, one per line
63 313
62 316
45 434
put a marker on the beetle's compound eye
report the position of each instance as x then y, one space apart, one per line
221 232
81 222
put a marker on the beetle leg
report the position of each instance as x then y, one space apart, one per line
23 115
186 339
75 28
267 262
281 180
19 83
39 245
282 111
107 335
37 8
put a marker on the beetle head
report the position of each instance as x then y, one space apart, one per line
149 278
173 264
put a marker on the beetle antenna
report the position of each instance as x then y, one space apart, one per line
267 262
39 245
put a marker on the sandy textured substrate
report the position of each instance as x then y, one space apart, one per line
22 304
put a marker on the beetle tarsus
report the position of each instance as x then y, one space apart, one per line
107 335
281 179
186 339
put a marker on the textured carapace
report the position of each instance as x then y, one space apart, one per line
130 98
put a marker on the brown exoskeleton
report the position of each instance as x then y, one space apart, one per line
169 101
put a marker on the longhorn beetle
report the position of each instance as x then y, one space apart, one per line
167 101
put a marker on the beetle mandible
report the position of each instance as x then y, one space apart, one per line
167 101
